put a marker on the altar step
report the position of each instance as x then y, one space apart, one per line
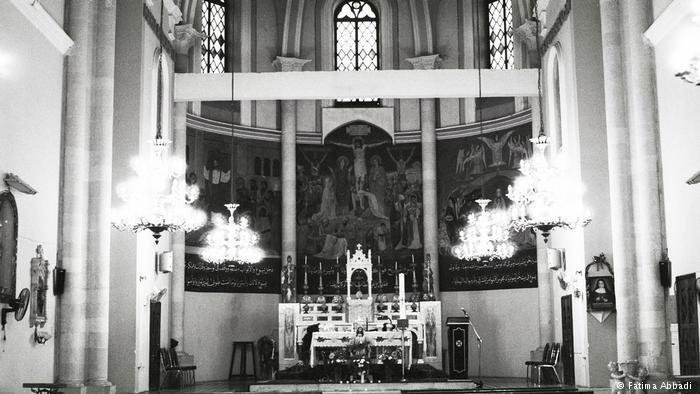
467 387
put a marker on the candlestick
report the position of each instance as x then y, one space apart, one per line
320 278
402 295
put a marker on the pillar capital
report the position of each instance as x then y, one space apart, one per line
285 64
429 62
527 33
185 36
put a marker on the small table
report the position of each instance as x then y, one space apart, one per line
332 339
44 388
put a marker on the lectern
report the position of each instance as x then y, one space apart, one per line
457 334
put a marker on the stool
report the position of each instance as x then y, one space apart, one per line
243 347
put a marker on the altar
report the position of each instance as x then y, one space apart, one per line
309 327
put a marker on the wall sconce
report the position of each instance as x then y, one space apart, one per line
692 73
41 337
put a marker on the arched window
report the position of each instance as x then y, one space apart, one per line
500 34
276 168
214 15
267 170
257 167
356 41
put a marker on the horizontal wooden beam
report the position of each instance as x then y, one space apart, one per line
319 85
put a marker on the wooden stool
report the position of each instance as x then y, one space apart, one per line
243 347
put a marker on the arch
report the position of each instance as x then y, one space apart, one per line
555 110
291 35
422 27
335 118
161 97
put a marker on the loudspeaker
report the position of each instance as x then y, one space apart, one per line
665 272
59 280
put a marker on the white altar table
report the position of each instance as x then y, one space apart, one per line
376 339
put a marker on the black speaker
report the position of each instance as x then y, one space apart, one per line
59 279
665 272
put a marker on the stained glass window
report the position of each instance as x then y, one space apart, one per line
214 41
501 34
356 41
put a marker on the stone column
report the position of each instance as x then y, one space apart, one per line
71 319
429 166
545 288
289 160
185 37
621 210
100 201
646 178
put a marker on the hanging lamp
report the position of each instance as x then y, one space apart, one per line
544 196
231 241
486 235
158 198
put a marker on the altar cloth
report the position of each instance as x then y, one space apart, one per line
333 339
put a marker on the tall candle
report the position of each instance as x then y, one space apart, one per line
402 295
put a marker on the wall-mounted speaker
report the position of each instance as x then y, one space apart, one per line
165 262
59 280
665 272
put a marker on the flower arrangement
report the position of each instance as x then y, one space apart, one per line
390 357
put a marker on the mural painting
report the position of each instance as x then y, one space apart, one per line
358 188
470 168
246 172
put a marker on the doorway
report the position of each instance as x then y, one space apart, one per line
687 310
154 347
567 341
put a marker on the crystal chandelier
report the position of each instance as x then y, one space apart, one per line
486 236
157 198
231 241
545 197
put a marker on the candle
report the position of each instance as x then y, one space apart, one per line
402 295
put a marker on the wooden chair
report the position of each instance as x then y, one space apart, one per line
172 370
549 361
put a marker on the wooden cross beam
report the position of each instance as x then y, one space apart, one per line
319 85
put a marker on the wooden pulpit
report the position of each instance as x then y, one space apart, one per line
457 334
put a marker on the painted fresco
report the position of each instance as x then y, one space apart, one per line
246 172
469 168
359 188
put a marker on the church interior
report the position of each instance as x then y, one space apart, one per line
327 196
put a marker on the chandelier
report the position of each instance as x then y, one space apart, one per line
545 197
486 235
157 198
231 241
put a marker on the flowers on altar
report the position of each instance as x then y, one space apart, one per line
361 363
389 357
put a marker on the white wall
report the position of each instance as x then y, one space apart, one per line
214 320
30 140
508 322
678 123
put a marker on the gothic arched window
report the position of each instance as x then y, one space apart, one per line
500 34
214 17
357 41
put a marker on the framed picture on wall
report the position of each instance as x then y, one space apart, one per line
601 293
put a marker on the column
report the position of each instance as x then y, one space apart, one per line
429 158
545 285
185 37
621 210
646 178
289 176
72 255
100 200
